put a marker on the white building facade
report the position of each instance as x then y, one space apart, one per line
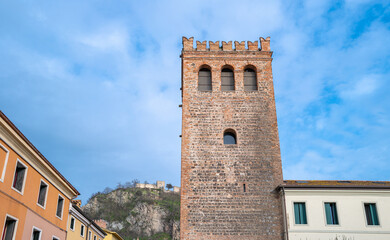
342 210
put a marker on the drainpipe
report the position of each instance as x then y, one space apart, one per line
87 233
285 230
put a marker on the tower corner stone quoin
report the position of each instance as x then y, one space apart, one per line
229 190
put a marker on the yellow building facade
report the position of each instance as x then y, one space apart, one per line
112 235
34 196
80 227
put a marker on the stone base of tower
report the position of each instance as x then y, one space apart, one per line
256 218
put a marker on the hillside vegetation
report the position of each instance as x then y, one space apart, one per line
137 213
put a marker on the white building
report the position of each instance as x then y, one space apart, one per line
342 210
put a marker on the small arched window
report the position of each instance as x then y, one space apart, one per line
204 80
229 137
227 80
250 80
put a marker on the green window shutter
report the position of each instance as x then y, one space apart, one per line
296 213
300 213
368 214
331 213
374 214
303 215
371 214
328 213
334 214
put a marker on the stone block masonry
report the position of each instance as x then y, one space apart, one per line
228 191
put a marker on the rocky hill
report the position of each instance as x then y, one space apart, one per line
147 214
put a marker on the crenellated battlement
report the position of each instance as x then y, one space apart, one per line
188 45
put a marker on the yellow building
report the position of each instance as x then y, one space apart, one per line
34 196
80 227
110 234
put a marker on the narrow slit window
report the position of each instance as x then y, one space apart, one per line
60 205
19 176
42 194
331 214
9 229
36 234
204 80
227 80
72 222
229 137
82 231
300 213
371 214
244 187
250 80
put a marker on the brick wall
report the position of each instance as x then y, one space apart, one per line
213 203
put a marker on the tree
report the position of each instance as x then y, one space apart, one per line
169 186
134 182
107 190
119 186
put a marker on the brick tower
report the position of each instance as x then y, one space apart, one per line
231 161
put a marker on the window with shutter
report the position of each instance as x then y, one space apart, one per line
300 213
371 214
331 214
227 80
204 80
250 80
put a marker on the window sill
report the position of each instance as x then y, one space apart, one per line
44 207
332 225
16 190
230 145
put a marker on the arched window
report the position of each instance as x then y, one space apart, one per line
227 80
250 80
204 80
229 137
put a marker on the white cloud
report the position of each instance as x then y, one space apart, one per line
365 86
110 38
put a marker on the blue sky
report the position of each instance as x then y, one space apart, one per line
95 85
